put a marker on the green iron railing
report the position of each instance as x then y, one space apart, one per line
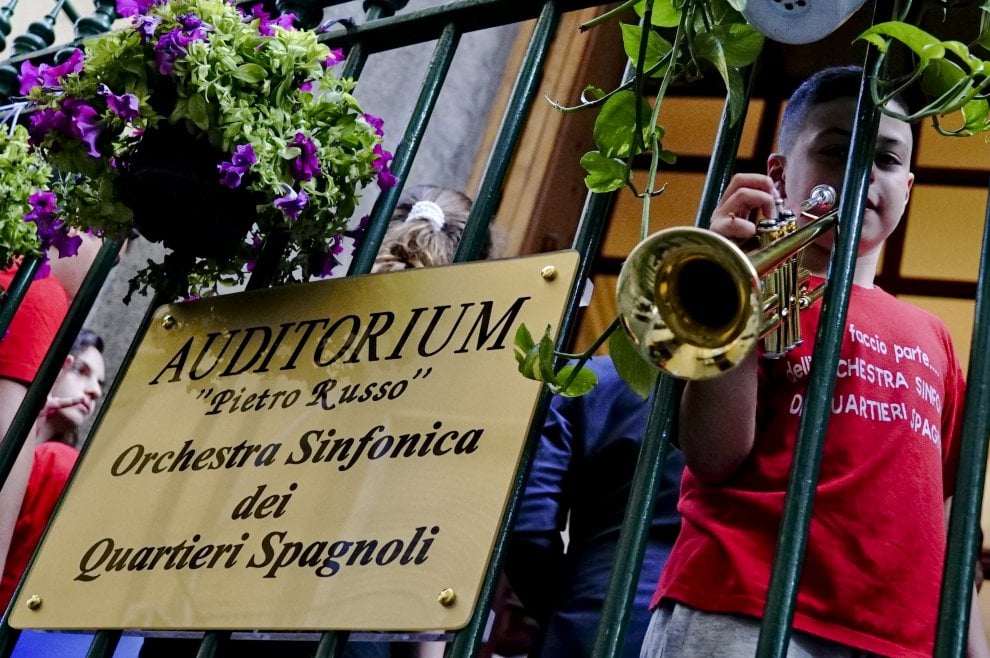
385 29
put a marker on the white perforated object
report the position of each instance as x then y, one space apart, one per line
799 21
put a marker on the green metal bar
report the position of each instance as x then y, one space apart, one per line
468 640
653 453
8 639
104 644
964 522
637 520
723 160
796 521
332 645
14 294
513 123
214 644
427 24
436 73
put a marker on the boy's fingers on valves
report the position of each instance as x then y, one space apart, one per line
744 194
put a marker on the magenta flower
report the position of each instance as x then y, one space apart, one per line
52 232
47 120
305 166
376 123
266 26
386 180
135 7
306 86
292 203
233 171
86 126
125 105
335 57
285 21
46 75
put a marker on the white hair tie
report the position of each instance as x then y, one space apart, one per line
429 211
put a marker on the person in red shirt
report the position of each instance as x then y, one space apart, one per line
873 567
71 401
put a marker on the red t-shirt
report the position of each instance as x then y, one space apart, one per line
53 462
33 328
873 565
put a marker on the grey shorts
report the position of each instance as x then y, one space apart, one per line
677 631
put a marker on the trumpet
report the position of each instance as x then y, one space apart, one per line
695 304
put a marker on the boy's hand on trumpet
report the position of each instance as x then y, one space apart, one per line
744 194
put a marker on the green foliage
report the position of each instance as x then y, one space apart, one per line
536 361
240 88
955 80
22 173
637 372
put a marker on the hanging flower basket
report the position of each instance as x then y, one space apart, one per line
207 128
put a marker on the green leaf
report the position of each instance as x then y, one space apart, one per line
664 12
252 73
545 349
615 127
638 373
656 48
197 112
584 380
983 39
604 174
729 46
923 44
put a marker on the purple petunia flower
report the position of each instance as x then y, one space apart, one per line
190 22
292 203
386 180
86 126
357 233
306 86
266 26
135 7
305 166
146 26
376 123
46 75
255 246
125 105
335 57
175 44
46 120
51 231
328 260
232 172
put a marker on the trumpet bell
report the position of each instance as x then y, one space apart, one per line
690 300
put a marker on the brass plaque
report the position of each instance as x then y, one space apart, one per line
333 455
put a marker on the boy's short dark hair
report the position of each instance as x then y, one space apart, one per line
826 85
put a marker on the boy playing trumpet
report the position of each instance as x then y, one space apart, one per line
873 567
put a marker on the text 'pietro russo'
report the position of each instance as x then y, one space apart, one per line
348 339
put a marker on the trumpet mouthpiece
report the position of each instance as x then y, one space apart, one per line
822 198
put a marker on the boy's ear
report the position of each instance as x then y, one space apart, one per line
69 360
775 170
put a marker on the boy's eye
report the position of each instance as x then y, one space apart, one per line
836 151
888 159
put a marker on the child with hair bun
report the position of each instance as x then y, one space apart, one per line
425 229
